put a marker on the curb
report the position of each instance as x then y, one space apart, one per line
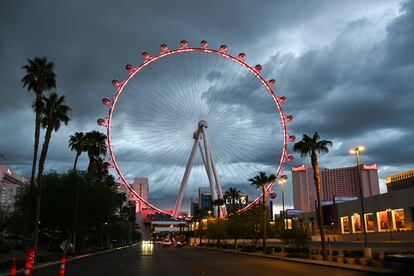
359 268
74 258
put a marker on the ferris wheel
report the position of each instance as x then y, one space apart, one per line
195 117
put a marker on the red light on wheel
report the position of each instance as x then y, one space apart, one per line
164 48
272 83
272 195
242 57
106 101
116 84
203 44
291 138
101 122
289 118
145 56
282 99
107 164
223 48
290 158
258 68
183 44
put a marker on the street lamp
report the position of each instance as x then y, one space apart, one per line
282 182
389 213
356 151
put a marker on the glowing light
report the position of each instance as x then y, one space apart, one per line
301 168
242 57
223 48
183 44
101 122
289 118
145 56
258 68
106 101
203 44
356 149
164 48
292 138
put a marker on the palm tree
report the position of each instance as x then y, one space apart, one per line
53 114
39 77
261 181
312 220
77 143
233 194
310 146
95 145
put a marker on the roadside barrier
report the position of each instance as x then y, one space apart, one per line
62 266
13 269
27 271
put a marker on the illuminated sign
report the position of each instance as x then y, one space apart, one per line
242 200
299 169
369 167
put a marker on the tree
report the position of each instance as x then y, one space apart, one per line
261 181
53 114
39 77
77 143
95 146
219 203
233 194
310 146
312 220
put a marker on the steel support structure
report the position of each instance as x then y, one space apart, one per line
209 165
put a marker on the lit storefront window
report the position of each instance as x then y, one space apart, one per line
345 226
398 219
356 223
369 222
383 221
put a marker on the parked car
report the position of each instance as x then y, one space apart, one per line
166 243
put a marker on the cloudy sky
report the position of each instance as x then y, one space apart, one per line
346 67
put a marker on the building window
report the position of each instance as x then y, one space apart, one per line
356 223
398 219
369 222
345 227
383 221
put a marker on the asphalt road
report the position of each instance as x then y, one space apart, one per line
156 260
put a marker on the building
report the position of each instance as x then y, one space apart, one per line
141 187
400 181
334 182
204 199
10 184
193 206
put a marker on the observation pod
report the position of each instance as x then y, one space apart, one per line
289 118
164 48
258 68
223 48
183 44
272 83
272 194
284 177
106 101
282 99
107 164
242 57
145 56
292 138
116 84
101 122
203 44
129 68
290 158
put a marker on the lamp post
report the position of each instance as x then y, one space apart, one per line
282 182
356 151
389 213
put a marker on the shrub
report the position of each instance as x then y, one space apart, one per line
369 262
357 261
346 253
335 253
277 249
346 260
376 255
356 253
313 257
334 259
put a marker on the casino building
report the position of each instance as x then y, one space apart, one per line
10 184
334 182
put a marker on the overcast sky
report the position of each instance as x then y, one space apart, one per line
346 67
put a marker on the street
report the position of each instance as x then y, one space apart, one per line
156 260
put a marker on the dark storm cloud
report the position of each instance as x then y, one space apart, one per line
355 87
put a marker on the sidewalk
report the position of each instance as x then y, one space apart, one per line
368 269
71 259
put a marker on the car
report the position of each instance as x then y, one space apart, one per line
166 243
178 244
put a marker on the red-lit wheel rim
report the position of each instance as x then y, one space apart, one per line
166 54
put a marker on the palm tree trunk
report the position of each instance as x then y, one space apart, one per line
39 184
317 180
76 160
264 218
36 138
